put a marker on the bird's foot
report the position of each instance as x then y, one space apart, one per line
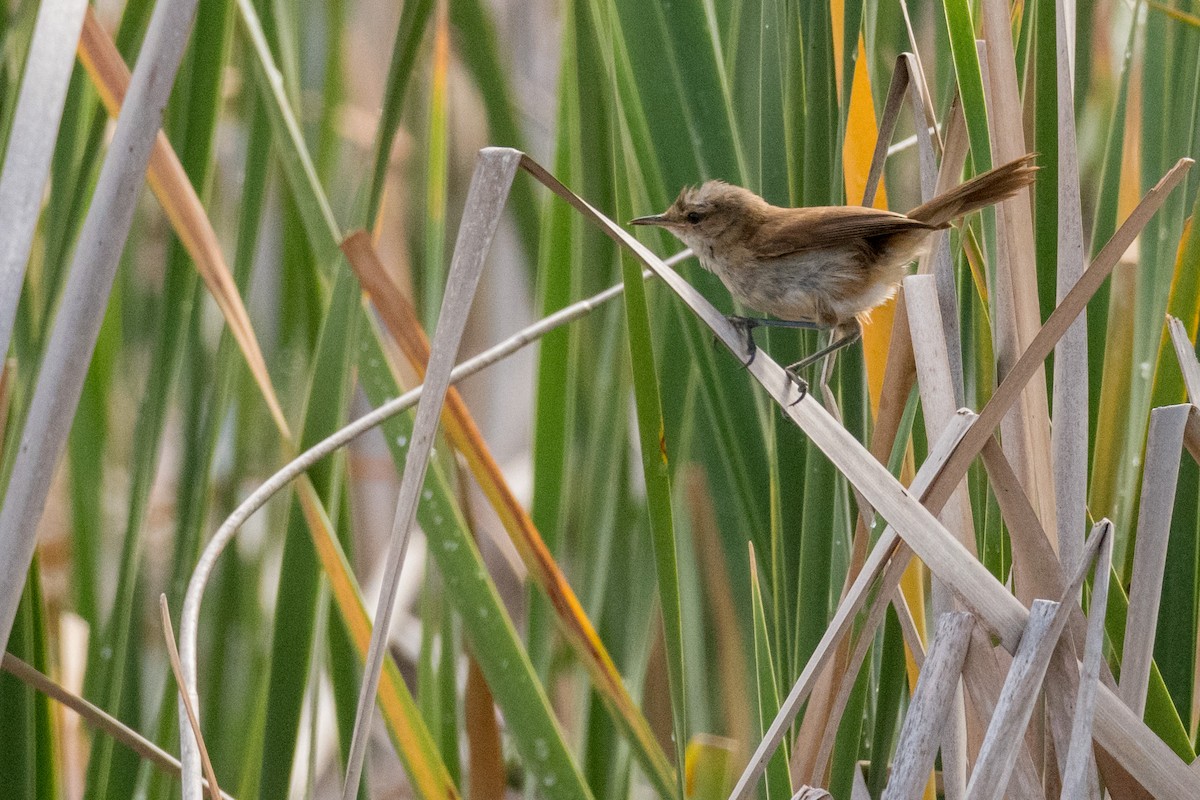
800 384
746 326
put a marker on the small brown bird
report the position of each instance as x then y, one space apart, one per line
823 267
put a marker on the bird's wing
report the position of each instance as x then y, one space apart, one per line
828 225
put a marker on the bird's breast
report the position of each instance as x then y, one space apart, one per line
813 285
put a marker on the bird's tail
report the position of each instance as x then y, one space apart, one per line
981 191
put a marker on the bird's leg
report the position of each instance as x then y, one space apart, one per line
826 394
746 325
851 333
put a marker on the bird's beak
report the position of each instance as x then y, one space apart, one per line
657 219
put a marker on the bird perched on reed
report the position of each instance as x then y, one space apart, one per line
822 267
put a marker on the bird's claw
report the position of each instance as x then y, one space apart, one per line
800 383
746 326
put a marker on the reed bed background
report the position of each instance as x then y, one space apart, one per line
628 549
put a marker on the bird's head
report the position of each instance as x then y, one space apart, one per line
709 214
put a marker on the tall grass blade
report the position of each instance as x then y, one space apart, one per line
481 53
559 256
432 273
970 81
320 226
28 762
777 782
298 595
414 16
655 471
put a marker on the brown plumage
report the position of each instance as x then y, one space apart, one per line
824 266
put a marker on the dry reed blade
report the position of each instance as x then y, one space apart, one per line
931 176
898 378
1027 432
859 790
954 158
485 768
1079 777
1036 571
936 259
1164 445
31 138
929 115
930 704
1185 353
1049 334
935 381
886 595
210 775
908 625
887 126
95 716
983 678
936 384
888 561
1191 433
1006 732
1069 435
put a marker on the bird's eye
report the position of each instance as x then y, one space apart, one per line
693 217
